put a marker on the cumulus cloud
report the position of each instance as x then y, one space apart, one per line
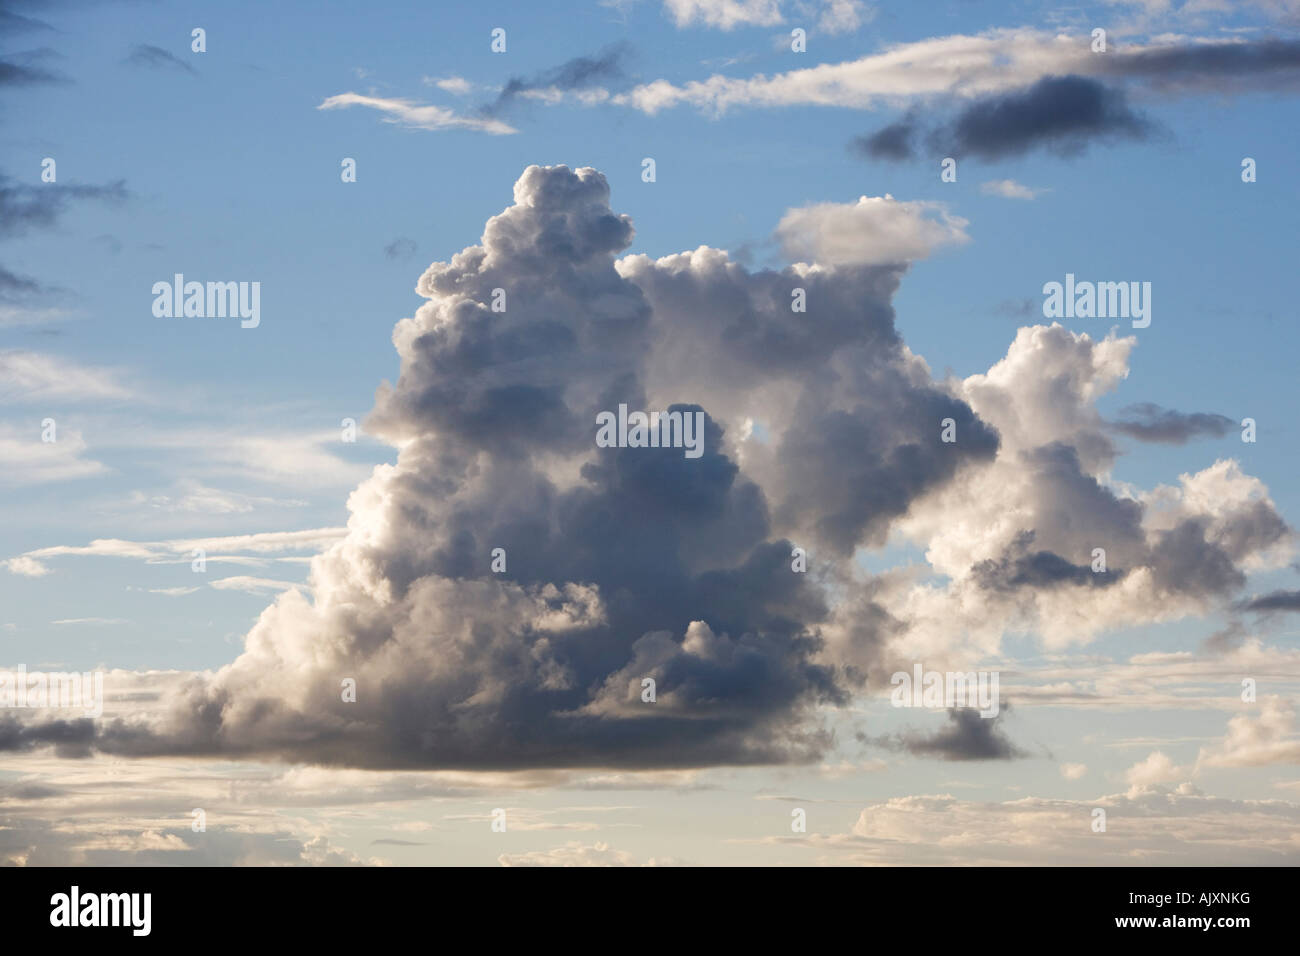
724 14
1156 769
1007 538
968 736
1266 738
822 431
876 230
623 563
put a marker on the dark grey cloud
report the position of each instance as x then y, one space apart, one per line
29 68
893 142
622 563
1273 601
1270 63
156 58
400 248
14 287
1023 567
633 563
1060 114
1146 421
968 736
25 207
13 24
581 72
70 738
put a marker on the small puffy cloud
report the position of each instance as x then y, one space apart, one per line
28 567
456 85
1009 189
1266 738
876 230
724 14
1155 770
1073 771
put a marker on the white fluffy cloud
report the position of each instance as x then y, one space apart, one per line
876 230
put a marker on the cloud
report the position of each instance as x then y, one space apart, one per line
1267 738
460 667
156 58
724 14
23 207
579 73
894 141
1156 769
417 115
456 85
844 16
821 430
1274 601
1009 189
1062 114
1170 552
35 377
968 736
400 248
27 567
964 68
1152 827
578 854
1149 422
31 461
1074 771
254 585
876 230
228 548
12 23
28 68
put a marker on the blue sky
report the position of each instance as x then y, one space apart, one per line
195 430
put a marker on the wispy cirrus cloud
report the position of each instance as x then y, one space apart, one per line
415 115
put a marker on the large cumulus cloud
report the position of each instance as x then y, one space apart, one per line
621 564
822 432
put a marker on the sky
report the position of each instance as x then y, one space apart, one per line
826 227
